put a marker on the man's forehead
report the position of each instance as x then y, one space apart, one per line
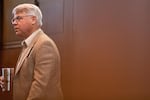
19 14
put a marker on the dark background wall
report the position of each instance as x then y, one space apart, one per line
1 13
104 46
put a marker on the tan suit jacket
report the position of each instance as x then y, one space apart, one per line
37 76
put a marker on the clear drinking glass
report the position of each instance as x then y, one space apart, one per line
7 75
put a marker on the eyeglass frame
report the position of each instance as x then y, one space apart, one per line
18 18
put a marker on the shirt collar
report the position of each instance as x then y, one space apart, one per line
28 40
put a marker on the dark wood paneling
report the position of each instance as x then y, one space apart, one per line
53 16
9 57
104 47
1 22
111 50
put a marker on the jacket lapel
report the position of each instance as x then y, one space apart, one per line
25 54
22 58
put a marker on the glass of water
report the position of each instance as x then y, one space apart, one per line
6 78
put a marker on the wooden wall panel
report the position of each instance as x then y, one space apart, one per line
52 16
111 50
104 47
1 23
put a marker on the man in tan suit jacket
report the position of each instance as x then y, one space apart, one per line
37 73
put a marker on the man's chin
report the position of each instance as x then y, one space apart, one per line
19 34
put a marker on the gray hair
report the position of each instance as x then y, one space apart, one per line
29 9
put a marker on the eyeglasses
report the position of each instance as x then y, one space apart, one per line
18 18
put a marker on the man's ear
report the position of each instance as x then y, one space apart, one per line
34 20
